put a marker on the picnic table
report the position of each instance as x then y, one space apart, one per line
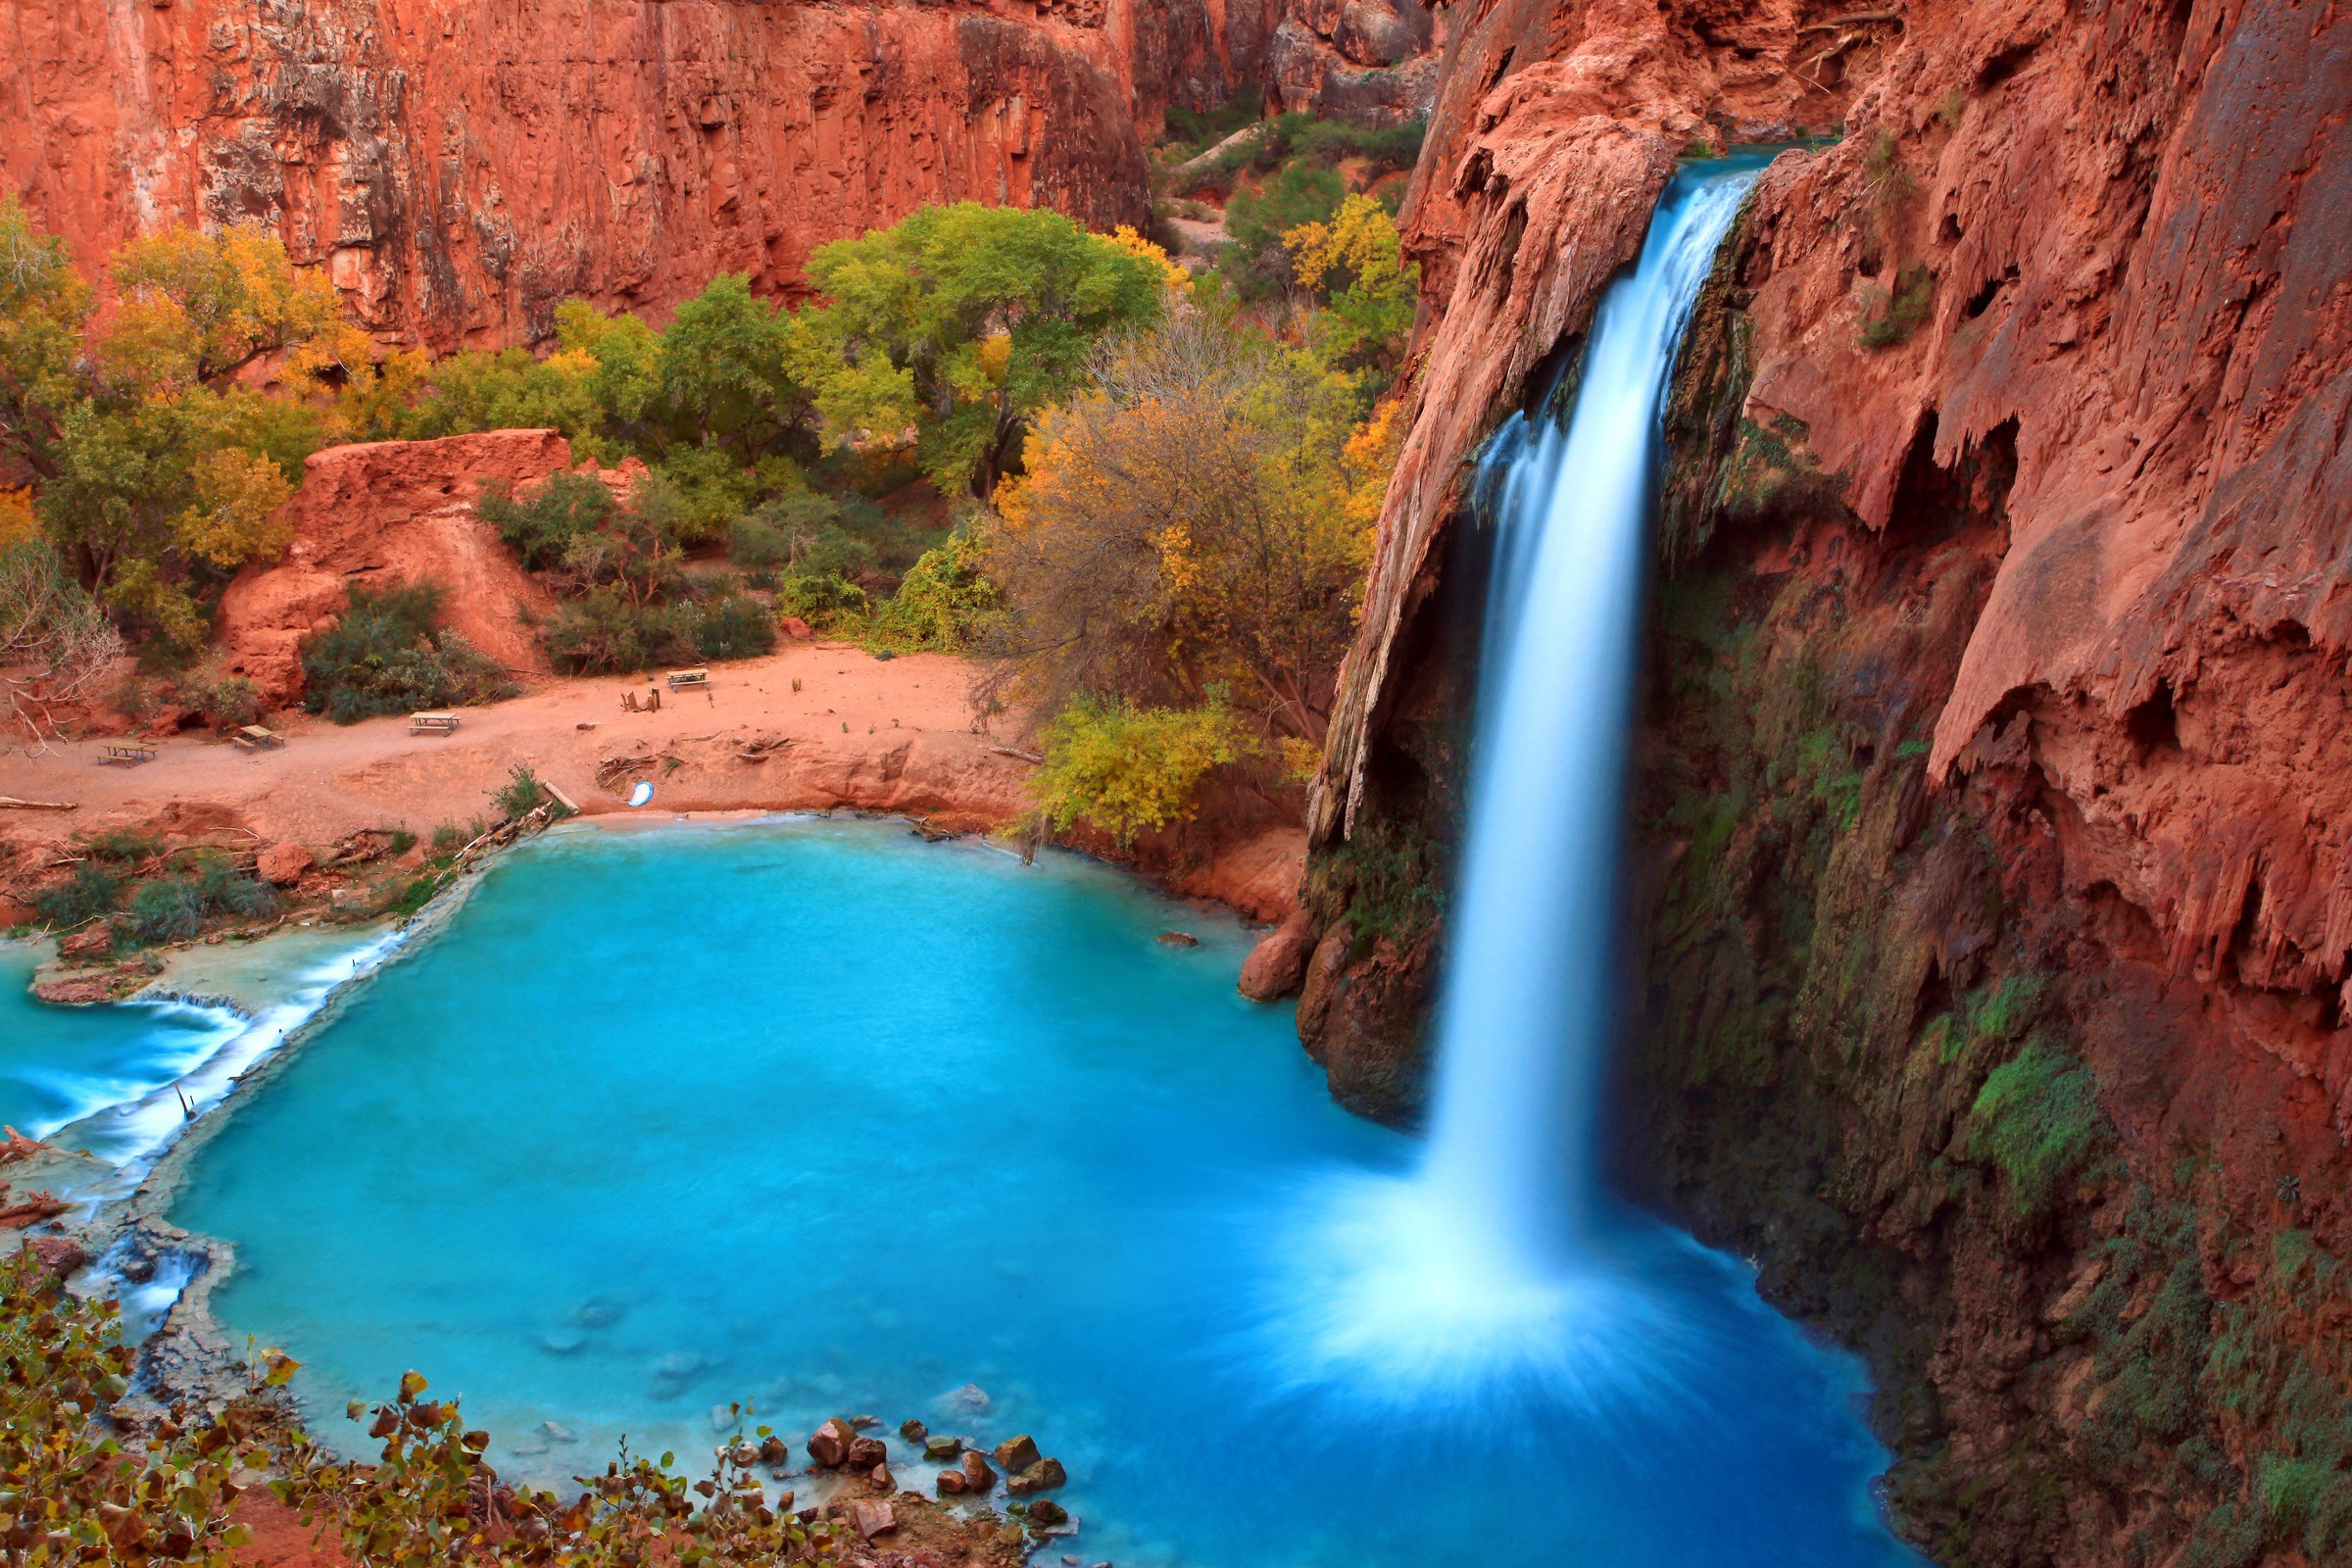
131 753
255 738
681 679
436 723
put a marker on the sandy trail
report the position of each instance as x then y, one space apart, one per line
877 734
867 733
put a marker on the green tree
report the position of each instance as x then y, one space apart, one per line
1128 769
957 325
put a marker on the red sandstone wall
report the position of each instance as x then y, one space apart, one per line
463 166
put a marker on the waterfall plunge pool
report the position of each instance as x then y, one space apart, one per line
815 1114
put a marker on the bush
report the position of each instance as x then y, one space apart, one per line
91 891
941 604
539 530
167 912
602 633
1302 193
225 704
2037 1117
384 657
1126 769
734 626
519 794
177 908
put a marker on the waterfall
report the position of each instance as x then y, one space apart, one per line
1526 1015
1480 1275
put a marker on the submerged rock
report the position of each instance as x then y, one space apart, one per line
1178 939
1043 1476
1016 1454
968 1400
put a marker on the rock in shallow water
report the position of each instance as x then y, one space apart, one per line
1043 1476
829 1444
978 1478
1277 965
1016 1454
940 1449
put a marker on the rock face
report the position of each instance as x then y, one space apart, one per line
1991 831
390 510
461 171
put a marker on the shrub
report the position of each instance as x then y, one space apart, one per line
129 844
734 626
1301 194
166 912
1888 319
539 529
603 633
941 604
519 794
2037 1118
91 891
1126 769
75 1491
384 657
225 704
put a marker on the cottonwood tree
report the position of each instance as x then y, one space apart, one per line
952 329
1198 517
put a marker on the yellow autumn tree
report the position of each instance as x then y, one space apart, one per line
1356 261
234 517
198 308
1200 517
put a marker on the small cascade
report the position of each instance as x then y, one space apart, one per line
1526 1017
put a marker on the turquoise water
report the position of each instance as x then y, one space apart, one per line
60 1064
819 1115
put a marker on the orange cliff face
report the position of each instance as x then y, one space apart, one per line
1999 718
460 168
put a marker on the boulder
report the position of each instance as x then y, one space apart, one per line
1178 939
1277 967
830 1443
58 1255
774 1450
1043 1476
941 1448
1047 1514
913 1431
882 1479
873 1519
282 865
978 1478
87 942
867 1453
1016 1454
952 1483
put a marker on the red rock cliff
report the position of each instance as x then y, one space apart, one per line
460 168
2001 723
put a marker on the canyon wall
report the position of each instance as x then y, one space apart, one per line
1990 828
460 168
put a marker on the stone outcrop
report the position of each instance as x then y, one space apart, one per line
385 512
1992 832
461 171
1373 62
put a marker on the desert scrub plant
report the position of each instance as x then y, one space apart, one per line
1126 769
541 528
2037 1118
519 794
92 890
1891 317
74 1493
208 888
386 655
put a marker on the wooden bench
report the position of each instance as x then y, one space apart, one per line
683 679
254 738
432 723
133 754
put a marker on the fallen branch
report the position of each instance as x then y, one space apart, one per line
1010 751
9 802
